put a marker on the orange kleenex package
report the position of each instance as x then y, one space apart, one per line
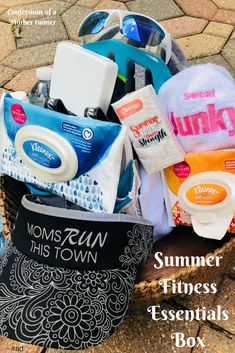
200 192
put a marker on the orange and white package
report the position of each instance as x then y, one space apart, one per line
200 192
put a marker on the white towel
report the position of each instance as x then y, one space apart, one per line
152 203
200 103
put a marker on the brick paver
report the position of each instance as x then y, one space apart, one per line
88 3
215 59
9 346
201 45
198 8
225 4
109 4
184 26
160 10
7 41
71 1
37 10
72 18
225 16
39 34
229 53
2 9
6 74
219 29
28 58
2 90
24 81
10 3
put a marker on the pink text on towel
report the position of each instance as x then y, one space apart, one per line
201 94
205 122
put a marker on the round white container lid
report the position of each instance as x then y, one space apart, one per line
44 73
210 220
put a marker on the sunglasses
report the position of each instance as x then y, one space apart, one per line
136 27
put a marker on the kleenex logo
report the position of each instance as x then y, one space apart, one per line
37 148
42 154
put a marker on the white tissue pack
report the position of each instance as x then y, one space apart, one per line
149 129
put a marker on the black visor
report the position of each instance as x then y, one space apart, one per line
67 277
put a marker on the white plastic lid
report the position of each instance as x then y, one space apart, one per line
215 230
210 200
44 73
20 95
53 147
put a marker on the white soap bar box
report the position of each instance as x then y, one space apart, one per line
82 79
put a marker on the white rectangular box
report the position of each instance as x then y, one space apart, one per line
82 79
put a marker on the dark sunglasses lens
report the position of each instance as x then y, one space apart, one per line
142 30
163 54
93 24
